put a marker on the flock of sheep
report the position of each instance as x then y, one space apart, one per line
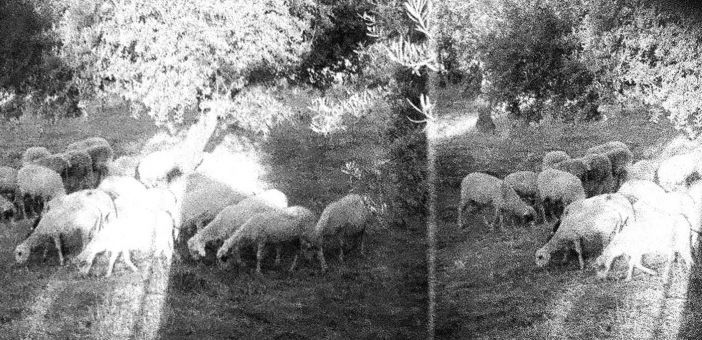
601 203
83 192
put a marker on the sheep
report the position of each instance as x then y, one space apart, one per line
8 182
524 183
653 232
588 223
275 226
341 219
598 179
479 190
575 166
79 174
674 171
232 217
33 153
100 152
57 162
119 186
557 189
153 169
136 227
123 166
7 210
39 183
161 199
619 155
553 157
644 169
82 212
642 190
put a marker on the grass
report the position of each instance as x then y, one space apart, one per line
489 286
379 296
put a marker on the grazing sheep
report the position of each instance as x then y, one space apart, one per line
232 217
586 224
524 183
574 166
161 199
557 189
479 190
135 228
33 153
39 183
275 226
642 190
100 153
123 166
82 212
153 169
342 219
644 169
79 174
652 232
619 155
57 162
553 157
598 179
674 171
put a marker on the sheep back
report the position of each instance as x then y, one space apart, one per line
37 180
553 157
33 153
523 182
560 185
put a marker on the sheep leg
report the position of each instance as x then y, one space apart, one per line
259 256
341 249
111 264
128 260
294 262
579 250
363 236
277 254
57 242
320 255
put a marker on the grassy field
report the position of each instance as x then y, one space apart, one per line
379 296
489 286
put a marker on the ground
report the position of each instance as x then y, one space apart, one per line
381 295
488 284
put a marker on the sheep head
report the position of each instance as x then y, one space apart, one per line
196 248
543 256
22 253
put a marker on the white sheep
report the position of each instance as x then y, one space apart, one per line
123 166
136 227
588 223
652 232
342 219
83 211
275 226
232 217
557 189
39 183
553 157
598 179
643 190
479 190
123 186
153 169
79 174
674 171
524 183
33 153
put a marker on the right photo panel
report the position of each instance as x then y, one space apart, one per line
567 169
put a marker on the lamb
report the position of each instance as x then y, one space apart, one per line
644 169
136 228
479 190
33 153
79 174
553 157
588 224
275 226
574 166
674 171
341 219
39 183
82 212
598 179
232 217
100 153
653 232
557 189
